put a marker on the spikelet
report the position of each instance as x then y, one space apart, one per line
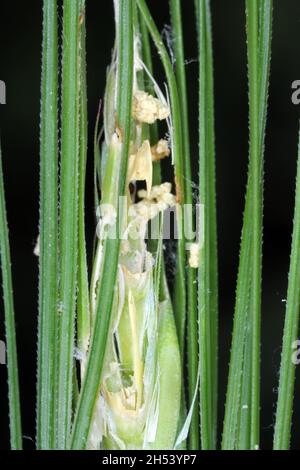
134 409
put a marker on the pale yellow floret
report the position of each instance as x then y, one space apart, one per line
194 255
161 193
159 199
160 150
140 165
147 109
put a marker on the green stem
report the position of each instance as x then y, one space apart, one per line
234 434
257 204
83 307
48 259
233 400
284 412
10 328
207 274
68 218
192 342
213 271
244 408
92 379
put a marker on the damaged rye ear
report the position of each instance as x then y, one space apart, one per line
134 408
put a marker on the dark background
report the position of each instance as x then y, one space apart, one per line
20 42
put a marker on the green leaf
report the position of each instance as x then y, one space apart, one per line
83 307
282 434
68 218
238 426
48 257
10 329
256 213
192 341
207 273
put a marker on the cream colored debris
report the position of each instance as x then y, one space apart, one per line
146 108
160 150
159 199
194 255
159 193
36 250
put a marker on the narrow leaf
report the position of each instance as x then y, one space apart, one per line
83 307
284 412
10 329
207 273
48 256
237 422
192 341
68 218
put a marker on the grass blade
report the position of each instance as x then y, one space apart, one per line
234 387
284 412
256 212
68 217
48 260
244 408
192 341
83 308
207 274
91 383
10 330
213 225
237 426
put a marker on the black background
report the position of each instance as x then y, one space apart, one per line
20 42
